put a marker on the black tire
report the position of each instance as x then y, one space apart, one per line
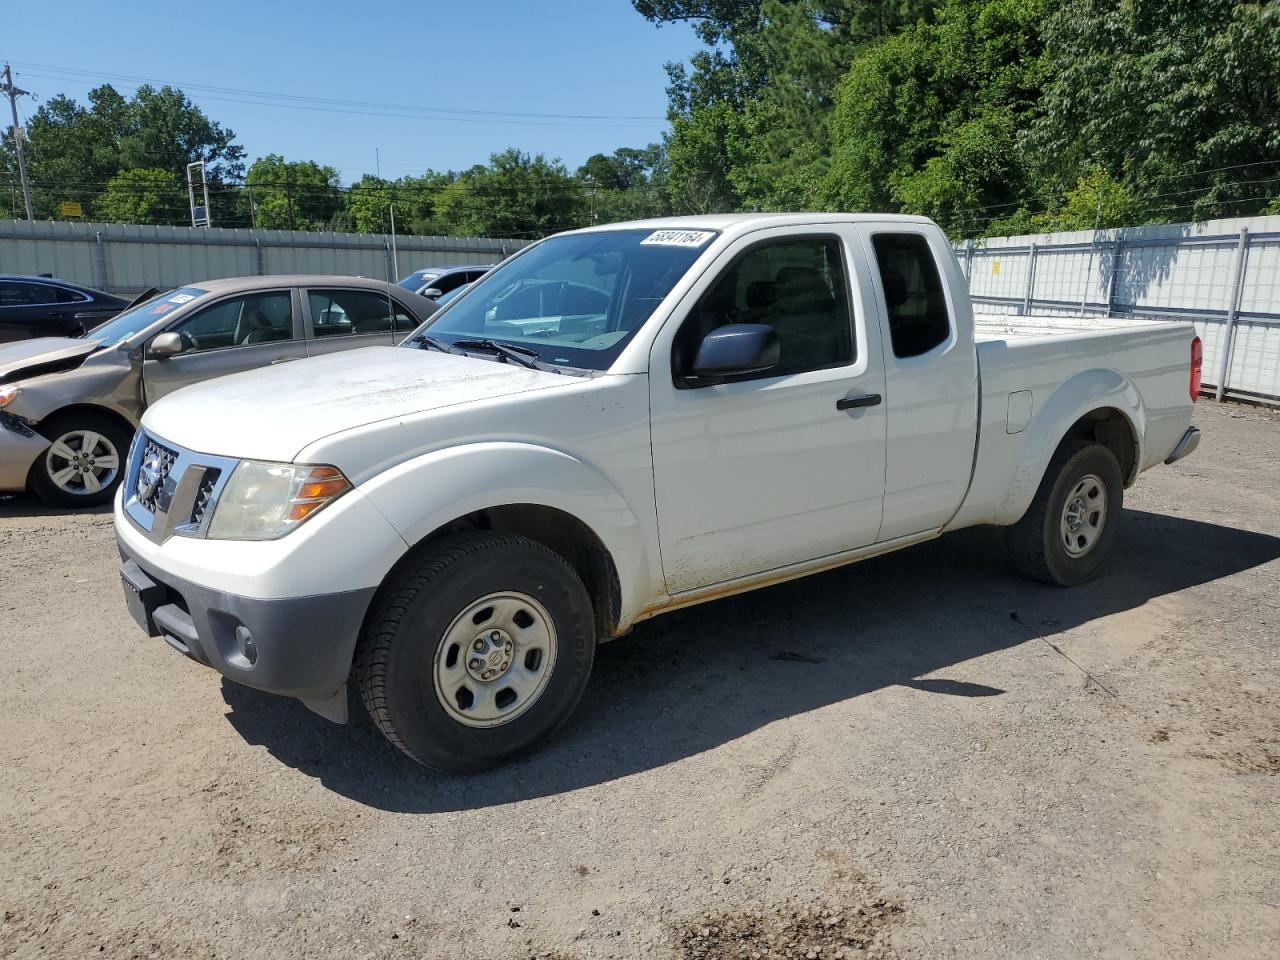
1037 543
63 428
407 626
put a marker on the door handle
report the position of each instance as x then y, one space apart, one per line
848 403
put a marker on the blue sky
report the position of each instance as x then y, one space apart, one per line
596 58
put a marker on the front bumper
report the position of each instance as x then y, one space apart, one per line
19 448
1186 446
298 647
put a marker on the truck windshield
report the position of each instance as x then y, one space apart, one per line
574 300
126 324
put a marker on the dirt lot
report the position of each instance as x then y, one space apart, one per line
920 756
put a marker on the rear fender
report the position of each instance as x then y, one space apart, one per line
1082 394
427 493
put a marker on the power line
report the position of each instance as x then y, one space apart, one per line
335 105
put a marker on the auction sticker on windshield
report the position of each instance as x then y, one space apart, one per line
679 238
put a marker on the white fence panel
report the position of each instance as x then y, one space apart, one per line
1222 275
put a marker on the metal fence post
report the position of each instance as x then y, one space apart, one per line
386 250
102 262
968 262
1117 262
1031 280
262 266
1233 308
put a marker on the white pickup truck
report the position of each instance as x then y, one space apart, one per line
615 423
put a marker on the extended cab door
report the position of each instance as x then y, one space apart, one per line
236 333
931 375
764 471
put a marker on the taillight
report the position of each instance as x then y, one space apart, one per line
1197 366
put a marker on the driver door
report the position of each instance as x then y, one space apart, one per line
782 466
237 333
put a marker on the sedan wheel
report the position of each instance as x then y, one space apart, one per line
85 462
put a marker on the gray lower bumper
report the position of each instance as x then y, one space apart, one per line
299 647
19 447
1187 445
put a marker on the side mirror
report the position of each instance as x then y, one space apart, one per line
736 348
166 344
433 293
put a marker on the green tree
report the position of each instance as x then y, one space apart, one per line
74 150
1159 92
296 195
516 195
928 121
629 184
749 115
143 195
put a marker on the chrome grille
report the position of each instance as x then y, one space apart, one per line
204 493
171 491
153 471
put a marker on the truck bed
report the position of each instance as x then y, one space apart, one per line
1149 360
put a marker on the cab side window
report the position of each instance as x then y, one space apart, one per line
795 286
240 322
914 298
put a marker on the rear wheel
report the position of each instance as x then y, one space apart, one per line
477 651
84 463
1069 529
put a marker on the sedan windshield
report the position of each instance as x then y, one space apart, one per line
125 325
574 300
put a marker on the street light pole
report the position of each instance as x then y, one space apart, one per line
14 93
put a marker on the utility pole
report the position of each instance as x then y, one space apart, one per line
288 194
14 93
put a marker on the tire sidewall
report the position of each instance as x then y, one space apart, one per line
53 429
1093 459
421 721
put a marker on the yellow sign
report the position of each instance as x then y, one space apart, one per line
995 266
69 208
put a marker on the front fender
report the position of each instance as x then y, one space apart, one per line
424 494
1085 392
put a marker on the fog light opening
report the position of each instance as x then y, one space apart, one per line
248 649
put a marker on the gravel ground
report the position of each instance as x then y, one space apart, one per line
918 756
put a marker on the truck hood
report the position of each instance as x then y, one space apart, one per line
42 355
273 413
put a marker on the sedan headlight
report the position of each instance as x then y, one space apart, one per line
264 501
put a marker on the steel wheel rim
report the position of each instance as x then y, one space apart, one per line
1084 516
495 659
82 462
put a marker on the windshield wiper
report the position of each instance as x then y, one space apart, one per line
521 355
431 342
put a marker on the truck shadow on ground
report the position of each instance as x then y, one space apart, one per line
692 680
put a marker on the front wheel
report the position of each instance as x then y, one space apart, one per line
84 463
476 651
1070 527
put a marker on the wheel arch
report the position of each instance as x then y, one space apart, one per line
1098 405
95 409
560 532
546 495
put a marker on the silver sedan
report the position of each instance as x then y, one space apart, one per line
69 406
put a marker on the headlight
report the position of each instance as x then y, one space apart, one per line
264 501
7 394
